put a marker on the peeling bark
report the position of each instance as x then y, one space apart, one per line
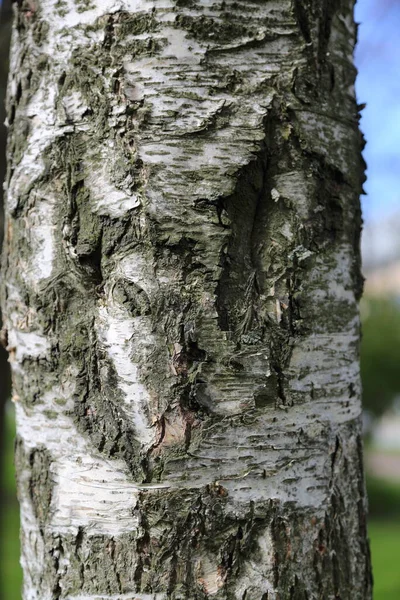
183 271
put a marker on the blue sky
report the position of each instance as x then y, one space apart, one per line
377 58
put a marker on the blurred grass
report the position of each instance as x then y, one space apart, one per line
10 571
384 532
385 551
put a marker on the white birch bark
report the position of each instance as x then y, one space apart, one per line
181 299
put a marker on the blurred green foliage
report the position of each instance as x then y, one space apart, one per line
384 501
380 353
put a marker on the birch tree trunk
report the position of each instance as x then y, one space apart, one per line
182 271
5 30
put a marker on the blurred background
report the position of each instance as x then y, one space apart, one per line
378 62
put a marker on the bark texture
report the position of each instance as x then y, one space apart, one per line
181 301
5 379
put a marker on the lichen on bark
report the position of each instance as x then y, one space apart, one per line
182 276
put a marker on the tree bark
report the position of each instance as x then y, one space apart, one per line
183 274
5 379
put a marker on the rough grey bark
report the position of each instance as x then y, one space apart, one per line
5 31
182 282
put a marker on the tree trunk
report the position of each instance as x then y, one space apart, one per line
181 301
5 30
